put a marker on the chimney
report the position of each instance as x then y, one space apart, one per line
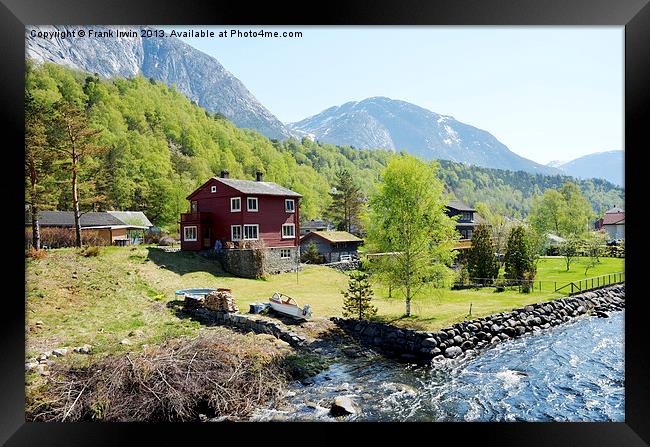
224 174
258 176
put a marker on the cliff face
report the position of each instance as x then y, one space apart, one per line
198 76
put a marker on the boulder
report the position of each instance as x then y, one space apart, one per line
343 406
429 342
85 349
60 352
453 351
467 345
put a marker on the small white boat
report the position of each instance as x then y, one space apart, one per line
287 305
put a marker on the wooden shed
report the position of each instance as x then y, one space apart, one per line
332 244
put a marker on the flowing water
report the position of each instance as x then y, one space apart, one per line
574 372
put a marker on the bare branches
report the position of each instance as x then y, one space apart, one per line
173 382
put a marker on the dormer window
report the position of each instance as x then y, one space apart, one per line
213 188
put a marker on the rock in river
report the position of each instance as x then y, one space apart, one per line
343 406
453 351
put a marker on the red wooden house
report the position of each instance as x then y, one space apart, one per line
225 210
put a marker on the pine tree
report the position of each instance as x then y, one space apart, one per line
482 262
356 302
40 159
76 141
311 255
347 202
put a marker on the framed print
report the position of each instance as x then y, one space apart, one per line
410 218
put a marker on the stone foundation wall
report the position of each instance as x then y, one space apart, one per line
244 263
483 332
275 264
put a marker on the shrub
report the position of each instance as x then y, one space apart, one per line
90 251
462 276
53 237
166 241
36 254
152 237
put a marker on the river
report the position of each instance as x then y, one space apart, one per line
573 372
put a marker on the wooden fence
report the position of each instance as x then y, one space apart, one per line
569 288
596 282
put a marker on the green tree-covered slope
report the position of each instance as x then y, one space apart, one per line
161 146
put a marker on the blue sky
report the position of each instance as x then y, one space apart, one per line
548 93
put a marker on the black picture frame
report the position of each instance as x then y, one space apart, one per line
634 15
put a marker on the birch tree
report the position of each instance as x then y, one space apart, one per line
407 218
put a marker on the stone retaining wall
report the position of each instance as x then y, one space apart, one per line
344 266
242 261
483 332
248 323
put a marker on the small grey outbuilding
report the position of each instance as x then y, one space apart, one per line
332 244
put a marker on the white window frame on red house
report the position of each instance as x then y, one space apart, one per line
293 205
232 208
213 188
293 231
248 205
232 233
185 238
257 232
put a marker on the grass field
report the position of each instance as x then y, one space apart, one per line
125 291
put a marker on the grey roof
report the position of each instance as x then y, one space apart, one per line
254 187
458 205
615 210
316 223
89 219
66 219
132 217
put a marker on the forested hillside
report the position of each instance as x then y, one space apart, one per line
161 146
510 192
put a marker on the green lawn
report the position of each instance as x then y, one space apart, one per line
124 292
554 269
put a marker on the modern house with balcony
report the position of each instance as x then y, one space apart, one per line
468 218
233 217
